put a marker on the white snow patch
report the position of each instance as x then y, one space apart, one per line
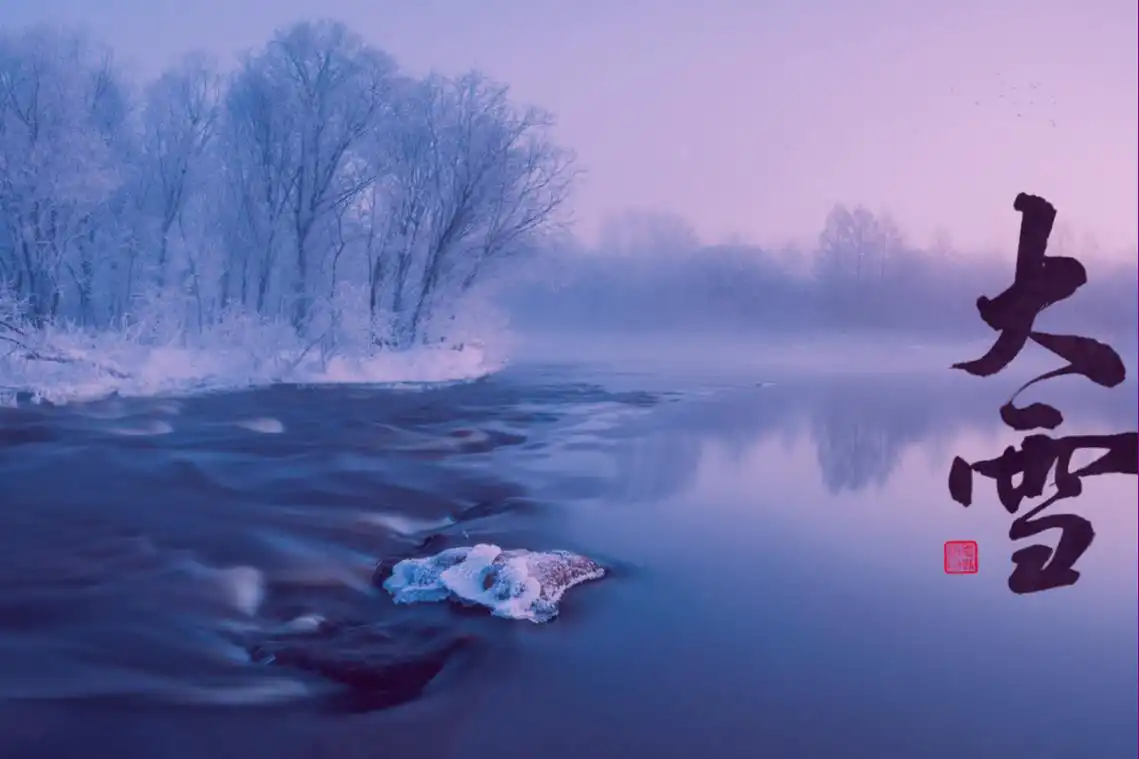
150 358
514 584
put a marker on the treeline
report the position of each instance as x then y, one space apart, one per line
649 272
316 183
313 174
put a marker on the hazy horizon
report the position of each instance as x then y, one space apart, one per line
751 123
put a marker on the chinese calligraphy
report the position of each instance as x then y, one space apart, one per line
1039 282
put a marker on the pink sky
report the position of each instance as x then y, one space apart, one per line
752 118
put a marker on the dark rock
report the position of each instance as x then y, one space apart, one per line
380 665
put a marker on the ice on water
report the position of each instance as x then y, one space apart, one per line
514 584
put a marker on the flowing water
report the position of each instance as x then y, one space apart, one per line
775 583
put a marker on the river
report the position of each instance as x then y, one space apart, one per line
774 552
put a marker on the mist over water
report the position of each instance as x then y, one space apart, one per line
862 276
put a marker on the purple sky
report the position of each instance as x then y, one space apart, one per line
753 117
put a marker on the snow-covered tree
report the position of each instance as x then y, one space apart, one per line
62 109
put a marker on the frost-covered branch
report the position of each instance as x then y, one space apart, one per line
314 169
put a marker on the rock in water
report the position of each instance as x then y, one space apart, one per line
513 584
380 666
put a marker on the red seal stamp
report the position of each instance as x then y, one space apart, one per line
961 557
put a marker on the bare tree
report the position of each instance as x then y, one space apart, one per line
848 240
258 157
656 233
57 166
179 118
300 110
313 171
485 182
888 244
393 212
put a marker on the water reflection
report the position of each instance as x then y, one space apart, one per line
856 470
788 546
859 428
860 431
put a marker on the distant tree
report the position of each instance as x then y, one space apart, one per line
890 245
848 244
942 243
641 232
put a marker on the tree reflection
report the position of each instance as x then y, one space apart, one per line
859 428
860 431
